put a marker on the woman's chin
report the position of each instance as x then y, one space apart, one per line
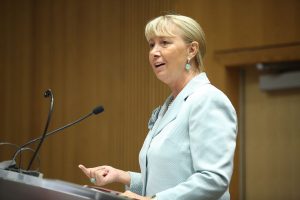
163 78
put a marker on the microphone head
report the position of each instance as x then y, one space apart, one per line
98 110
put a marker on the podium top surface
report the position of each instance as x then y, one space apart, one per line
15 185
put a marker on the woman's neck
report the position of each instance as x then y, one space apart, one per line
178 86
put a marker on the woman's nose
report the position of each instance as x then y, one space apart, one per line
155 51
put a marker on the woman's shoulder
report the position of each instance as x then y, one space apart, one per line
208 93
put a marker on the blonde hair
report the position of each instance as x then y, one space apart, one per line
190 29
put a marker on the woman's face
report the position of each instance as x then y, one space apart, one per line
168 56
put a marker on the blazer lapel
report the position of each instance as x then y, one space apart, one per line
169 114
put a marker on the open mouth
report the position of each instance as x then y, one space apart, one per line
158 65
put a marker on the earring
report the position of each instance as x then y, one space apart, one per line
188 65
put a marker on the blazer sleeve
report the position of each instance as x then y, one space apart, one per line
136 184
212 133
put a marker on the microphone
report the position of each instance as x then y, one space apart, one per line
95 111
48 93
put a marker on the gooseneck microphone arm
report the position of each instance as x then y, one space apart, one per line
95 111
48 93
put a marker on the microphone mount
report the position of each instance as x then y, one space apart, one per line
47 93
11 165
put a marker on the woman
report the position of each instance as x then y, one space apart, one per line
188 152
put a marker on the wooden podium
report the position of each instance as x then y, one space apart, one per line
15 186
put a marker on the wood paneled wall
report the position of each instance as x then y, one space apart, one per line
89 53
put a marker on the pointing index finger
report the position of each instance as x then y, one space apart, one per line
85 170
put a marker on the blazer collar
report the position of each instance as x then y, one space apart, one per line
169 114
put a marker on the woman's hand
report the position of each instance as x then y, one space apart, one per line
134 196
104 175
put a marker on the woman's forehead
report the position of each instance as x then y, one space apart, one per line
160 37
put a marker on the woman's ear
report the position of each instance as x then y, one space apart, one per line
193 49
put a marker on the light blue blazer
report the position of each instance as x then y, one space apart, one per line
189 150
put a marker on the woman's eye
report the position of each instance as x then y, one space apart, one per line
165 42
151 45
